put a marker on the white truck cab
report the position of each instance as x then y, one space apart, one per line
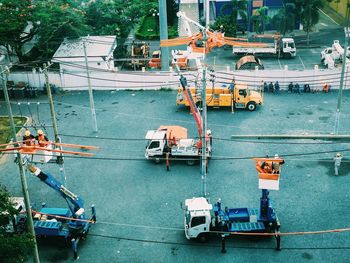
197 217
157 141
288 46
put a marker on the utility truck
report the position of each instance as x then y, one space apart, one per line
67 224
172 141
273 45
201 218
240 97
333 56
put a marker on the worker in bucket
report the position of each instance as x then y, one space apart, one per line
337 161
276 166
28 138
42 139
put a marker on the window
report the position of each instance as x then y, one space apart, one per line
242 92
154 144
198 220
98 63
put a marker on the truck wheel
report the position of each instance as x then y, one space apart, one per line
202 238
190 162
251 106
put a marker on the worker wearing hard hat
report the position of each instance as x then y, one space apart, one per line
276 166
337 161
42 139
28 138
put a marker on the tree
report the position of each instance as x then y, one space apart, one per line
260 18
239 9
285 18
58 19
18 26
13 247
224 24
171 9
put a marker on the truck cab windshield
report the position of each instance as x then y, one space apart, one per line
154 145
198 220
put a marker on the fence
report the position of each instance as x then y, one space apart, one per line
103 80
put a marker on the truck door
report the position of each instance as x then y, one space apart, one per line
241 98
154 148
198 225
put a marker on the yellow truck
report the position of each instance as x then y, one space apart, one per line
240 97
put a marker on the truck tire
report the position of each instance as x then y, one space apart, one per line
190 162
202 238
251 106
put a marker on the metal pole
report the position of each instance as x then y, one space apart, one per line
340 93
204 133
207 13
91 96
52 106
163 26
21 170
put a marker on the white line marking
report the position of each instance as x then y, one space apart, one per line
328 16
301 62
323 24
279 62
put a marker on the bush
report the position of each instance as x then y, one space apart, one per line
148 29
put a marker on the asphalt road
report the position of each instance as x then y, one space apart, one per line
138 202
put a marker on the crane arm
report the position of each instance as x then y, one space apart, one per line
194 110
76 201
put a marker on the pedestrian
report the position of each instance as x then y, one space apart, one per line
337 161
276 166
297 88
232 85
42 139
271 87
307 88
28 138
290 87
266 88
326 88
277 87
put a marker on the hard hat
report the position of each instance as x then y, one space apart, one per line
27 133
40 132
276 155
338 155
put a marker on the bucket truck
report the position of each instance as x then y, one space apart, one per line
172 140
69 223
201 218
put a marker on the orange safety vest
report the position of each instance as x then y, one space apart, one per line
28 140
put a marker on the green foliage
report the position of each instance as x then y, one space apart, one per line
238 7
260 18
285 18
224 24
58 19
15 17
13 247
148 29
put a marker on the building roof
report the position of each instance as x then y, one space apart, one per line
96 46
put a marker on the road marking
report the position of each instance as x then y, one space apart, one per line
323 24
328 16
301 62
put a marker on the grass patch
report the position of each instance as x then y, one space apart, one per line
333 14
5 128
148 29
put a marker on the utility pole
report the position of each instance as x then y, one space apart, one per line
207 9
91 96
204 133
60 159
20 168
163 26
52 106
340 92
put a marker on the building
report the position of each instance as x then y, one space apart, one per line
99 52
